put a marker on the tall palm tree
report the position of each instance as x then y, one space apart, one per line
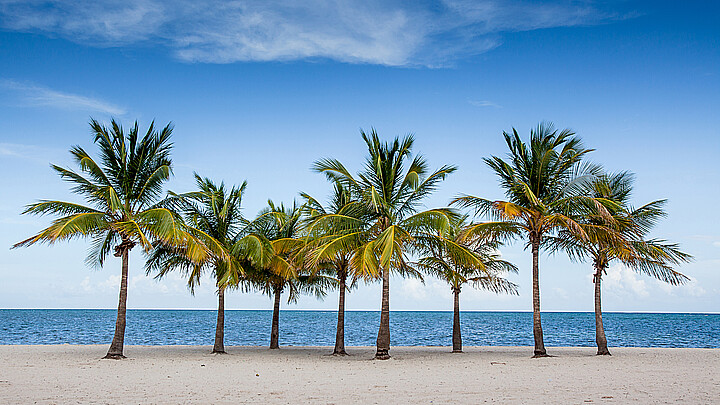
392 193
654 257
343 216
440 262
122 192
213 217
539 179
282 226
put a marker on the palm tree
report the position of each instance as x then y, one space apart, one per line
284 271
122 192
392 194
654 257
343 216
212 215
441 263
539 180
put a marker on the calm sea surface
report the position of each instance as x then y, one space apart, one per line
317 328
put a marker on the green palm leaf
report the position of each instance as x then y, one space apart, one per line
118 189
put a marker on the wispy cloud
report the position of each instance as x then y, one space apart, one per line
395 33
483 103
8 150
33 153
31 94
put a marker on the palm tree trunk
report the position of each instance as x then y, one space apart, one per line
383 339
219 346
537 325
340 334
456 337
275 332
118 342
600 338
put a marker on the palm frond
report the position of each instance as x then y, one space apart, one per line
72 226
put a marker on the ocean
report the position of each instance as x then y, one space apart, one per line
317 328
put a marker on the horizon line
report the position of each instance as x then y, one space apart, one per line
358 310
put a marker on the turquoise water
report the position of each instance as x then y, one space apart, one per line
317 328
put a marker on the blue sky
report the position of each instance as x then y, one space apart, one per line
259 90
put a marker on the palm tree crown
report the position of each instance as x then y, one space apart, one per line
285 271
540 180
629 244
486 274
122 192
213 218
654 257
341 228
391 195
212 215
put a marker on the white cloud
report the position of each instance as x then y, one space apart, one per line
413 288
436 289
106 23
561 293
141 284
39 96
355 31
109 284
85 285
690 288
623 281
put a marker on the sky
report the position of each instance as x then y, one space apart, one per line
258 91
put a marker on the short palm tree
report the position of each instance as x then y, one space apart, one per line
213 217
539 179
654 257
122 191
284 271
344 216
487 274
392 194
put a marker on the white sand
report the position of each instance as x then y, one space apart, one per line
189 374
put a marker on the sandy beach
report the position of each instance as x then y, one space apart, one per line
190 374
